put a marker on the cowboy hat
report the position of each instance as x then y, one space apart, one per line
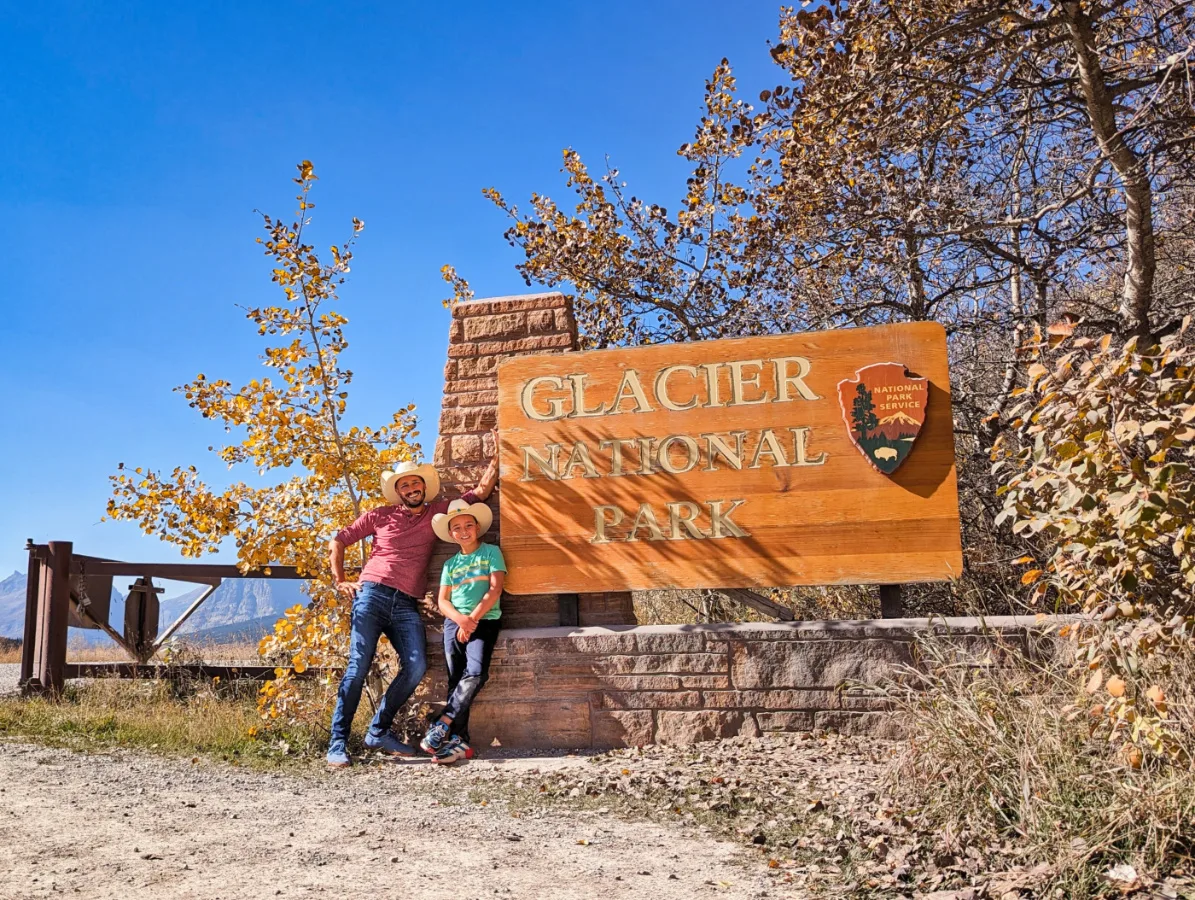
457 508
431 480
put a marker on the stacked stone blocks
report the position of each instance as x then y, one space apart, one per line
482 333
614 687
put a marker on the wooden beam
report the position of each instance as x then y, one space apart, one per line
53 612
759 603
85 614
569 609
141 609
185 571
178 623
891 601
31 595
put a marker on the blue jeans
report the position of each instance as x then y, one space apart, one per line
379 610
468 669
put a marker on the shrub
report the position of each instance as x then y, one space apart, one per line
1002 754
1098 476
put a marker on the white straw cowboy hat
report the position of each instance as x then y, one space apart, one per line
457 508
431 480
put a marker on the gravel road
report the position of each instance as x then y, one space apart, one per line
9 672
130 825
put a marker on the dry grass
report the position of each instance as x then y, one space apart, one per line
175 717
181 713
689 608
1002 753
816 603
807 603
77 650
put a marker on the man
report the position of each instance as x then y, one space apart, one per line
386 598
470 594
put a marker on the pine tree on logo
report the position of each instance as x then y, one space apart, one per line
863 412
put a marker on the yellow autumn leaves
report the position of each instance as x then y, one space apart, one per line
290 422
1097 475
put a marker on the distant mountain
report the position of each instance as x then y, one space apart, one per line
236 602
898 418
12 606
238 633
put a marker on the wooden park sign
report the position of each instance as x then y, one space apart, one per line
819 458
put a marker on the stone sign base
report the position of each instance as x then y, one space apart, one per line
482 333
610 687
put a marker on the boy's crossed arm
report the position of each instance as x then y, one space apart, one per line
466 624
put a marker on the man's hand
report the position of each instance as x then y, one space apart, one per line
348 588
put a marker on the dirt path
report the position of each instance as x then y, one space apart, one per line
9 674
128 825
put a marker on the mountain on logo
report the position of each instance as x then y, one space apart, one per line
885 441
899 418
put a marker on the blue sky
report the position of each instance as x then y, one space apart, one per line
138 138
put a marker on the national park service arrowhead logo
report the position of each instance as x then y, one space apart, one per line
884 408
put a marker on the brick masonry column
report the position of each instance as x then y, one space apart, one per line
482 333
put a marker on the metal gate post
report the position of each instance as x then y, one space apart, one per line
54 597
32 580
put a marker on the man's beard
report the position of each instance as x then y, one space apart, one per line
413 502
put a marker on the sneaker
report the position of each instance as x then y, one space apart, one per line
436 735
338 757
387 743
454 750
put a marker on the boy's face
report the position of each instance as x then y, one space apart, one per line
463 529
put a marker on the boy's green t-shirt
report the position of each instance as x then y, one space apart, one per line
469 577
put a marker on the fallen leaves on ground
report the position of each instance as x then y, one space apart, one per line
818 809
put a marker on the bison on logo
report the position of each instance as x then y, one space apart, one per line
884 408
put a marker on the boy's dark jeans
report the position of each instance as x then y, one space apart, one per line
379 610
468 669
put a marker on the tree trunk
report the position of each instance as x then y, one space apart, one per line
1041 296
1137 294
991 425
914 276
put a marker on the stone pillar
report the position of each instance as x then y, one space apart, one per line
482 333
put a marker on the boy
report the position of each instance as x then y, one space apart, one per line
470 591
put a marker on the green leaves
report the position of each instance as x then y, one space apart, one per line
1122 496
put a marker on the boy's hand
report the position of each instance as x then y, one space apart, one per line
465 628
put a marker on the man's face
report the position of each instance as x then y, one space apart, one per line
463 529
411 490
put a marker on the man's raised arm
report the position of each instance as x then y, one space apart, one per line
489 478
